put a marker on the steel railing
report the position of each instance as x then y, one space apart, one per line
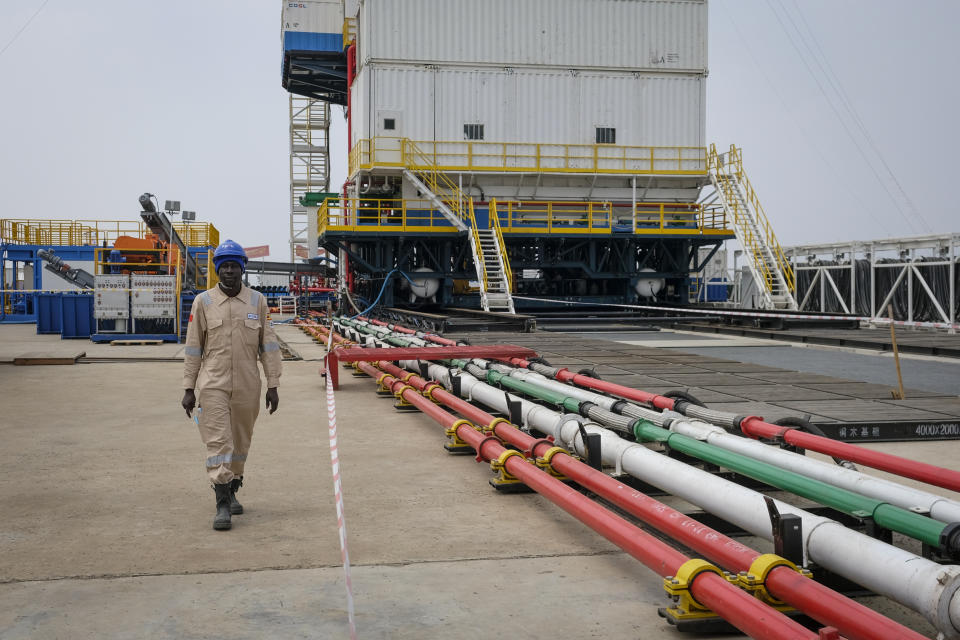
494 222
97 232
444 155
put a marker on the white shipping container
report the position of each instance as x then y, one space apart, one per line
669 35
547 107
313 16
312 25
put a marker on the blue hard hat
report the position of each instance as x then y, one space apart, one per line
229 250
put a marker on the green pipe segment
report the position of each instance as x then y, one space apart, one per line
885 515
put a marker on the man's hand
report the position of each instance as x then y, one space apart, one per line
189 401
273 400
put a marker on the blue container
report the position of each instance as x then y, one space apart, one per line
76 317
716 292
48 312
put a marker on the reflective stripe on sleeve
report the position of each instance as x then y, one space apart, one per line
193 351
270 346
206 298
225 458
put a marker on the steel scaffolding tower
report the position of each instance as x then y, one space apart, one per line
309 169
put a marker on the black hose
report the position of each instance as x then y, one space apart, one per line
684 395
806 425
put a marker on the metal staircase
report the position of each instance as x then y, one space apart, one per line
495 290
489 255
771 270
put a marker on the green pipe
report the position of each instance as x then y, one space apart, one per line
885 515
553 397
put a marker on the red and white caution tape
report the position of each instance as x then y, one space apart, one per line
338 495
754 314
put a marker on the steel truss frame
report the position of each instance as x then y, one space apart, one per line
936 250
309 168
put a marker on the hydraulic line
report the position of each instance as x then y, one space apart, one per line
709 588
918 583
932 532
756 428
852 619
913 500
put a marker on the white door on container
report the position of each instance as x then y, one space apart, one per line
389 132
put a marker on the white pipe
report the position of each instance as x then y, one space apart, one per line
918 583
938 507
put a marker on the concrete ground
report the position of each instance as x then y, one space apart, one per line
106 520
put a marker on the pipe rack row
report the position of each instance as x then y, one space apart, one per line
918 583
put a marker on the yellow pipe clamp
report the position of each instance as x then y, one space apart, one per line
754 580
678 588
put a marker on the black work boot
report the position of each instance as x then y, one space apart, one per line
235 507
221 521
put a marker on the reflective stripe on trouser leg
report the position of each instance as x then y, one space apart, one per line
244 409
216 433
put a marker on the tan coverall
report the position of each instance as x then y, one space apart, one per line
225 337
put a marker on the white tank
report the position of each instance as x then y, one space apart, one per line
648 287
424 287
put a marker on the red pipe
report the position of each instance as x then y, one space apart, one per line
757 428
854 620
736 606
400 329
931 474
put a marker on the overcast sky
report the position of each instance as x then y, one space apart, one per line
846 112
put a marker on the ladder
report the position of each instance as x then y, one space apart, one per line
486 245
768 264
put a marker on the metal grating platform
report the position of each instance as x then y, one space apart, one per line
845 409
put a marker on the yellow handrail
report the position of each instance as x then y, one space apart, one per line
436 180
97 232
477 247
469 155
772 242
753 244
494 223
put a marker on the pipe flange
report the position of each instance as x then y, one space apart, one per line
479 447
949 625
950 538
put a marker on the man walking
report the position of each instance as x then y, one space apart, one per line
228 331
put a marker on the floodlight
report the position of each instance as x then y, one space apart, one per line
188 215
172 205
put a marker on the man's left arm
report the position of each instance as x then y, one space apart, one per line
270 356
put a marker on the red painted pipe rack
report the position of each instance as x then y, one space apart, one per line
360 354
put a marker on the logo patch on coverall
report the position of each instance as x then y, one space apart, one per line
253 316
